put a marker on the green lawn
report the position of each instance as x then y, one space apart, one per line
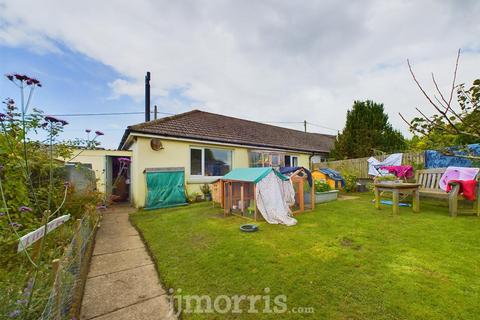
345 259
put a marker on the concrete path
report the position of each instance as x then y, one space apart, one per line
122 282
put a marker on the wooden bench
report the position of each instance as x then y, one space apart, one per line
429 180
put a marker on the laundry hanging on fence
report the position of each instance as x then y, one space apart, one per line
374 165
439 159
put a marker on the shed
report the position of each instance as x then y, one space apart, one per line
247 191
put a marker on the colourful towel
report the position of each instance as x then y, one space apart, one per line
457 173
399 171
467 187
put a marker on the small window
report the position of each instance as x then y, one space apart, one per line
291 161
196 162
287 161
294 160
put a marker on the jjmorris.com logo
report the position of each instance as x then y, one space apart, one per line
223 304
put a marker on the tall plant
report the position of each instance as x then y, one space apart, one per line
32 187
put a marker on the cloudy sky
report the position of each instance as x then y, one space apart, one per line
269 61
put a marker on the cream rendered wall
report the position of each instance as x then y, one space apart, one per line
177 154
303 160
97 158
173 154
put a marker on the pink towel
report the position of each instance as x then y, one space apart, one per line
399 171
457 173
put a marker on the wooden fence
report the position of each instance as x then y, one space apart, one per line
359 166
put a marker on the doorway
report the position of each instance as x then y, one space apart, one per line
118 178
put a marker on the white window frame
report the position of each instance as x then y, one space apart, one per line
202 175
202 161
292 160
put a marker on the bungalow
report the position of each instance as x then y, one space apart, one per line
206 146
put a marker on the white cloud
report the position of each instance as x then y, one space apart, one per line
262 60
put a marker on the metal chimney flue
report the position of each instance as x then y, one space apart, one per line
147 97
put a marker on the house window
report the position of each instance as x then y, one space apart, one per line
196 162
291 161
294 161
210 162
265 159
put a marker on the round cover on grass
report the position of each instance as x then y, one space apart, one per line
249 227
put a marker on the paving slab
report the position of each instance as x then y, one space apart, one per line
118 261
127 229
157 308
110 292
117 243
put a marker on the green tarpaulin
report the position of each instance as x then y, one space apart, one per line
165 188
251 174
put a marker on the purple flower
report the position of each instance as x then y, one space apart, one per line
33 81
23 301
66 184
2 116
88 130
14 313
15 225
28 288
99 133
52 119
102 207
9 77
2 214
25 209
20 77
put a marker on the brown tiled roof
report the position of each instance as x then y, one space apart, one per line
206 126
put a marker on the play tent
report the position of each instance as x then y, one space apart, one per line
247 191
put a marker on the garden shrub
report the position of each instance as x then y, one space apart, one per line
322 186
350 182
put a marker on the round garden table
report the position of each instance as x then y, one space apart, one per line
396 188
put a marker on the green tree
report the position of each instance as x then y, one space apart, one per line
366 131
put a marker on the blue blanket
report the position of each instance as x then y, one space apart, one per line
287 170
437 159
